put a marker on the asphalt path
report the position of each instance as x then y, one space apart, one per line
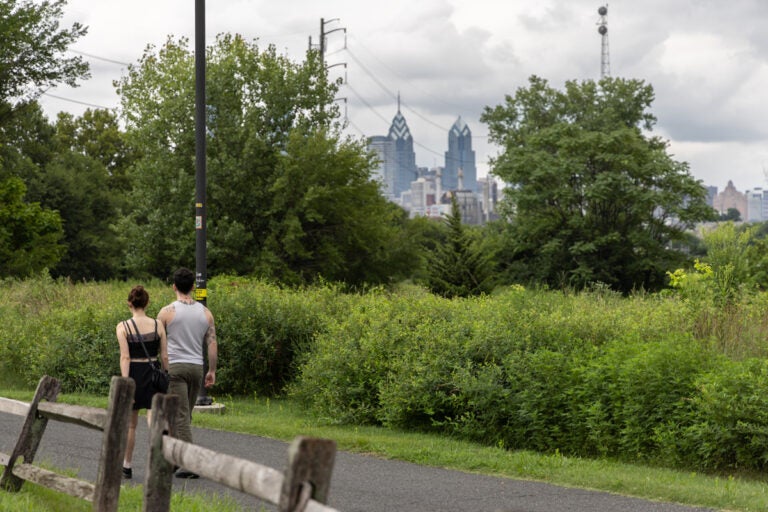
359 482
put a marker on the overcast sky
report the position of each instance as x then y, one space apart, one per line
706 59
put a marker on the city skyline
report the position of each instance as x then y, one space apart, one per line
706 62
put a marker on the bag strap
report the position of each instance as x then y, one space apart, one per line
141 338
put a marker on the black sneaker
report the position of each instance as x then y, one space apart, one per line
127 473
183 473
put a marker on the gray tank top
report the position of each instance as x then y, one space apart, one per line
186 333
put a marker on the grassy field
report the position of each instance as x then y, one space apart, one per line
281 419
643 354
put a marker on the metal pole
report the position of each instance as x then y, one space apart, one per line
201 292
322 40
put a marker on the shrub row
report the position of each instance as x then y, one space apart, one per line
68 331
589 375
592 374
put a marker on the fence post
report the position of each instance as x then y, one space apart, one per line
31 433
159 478
310 462
109 476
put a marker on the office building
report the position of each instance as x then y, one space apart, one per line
405 170
730 198
385 171
460 157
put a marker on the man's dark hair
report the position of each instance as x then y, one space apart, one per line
184 280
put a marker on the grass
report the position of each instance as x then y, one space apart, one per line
284 419
34 498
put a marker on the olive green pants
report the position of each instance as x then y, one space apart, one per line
186 380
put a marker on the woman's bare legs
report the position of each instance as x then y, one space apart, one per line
131 442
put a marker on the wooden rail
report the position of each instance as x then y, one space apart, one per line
113 422
302 488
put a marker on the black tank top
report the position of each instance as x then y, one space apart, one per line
151 341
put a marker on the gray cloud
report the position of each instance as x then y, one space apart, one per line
706 59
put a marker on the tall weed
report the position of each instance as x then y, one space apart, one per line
661 378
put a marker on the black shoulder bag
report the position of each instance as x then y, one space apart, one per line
159 377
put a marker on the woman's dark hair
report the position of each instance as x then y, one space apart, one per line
139 298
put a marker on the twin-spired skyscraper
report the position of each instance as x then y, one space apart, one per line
397 160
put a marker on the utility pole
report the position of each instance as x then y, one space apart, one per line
324 33
200 179
201 278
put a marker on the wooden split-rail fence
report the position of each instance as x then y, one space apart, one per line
303 487
105 492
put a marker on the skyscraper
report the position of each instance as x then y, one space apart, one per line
460 157
405 170
384 147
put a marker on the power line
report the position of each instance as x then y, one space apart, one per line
370 107
353 125
424 118
384 87
425 148
370 74
75 101
390 93
91 56
401 77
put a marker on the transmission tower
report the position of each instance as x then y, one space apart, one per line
322 48
323 33
602 29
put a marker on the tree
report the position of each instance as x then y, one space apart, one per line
29 234
458 268
77 187
97 135
327 218
590 197
64 170
731 215
27 143
737 255
32 59
32 52
288 197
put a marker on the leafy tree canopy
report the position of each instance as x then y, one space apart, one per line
591 197
96 134
288 197
32 59
32 50
732 214
29 234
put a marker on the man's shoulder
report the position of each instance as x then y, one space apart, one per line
166 310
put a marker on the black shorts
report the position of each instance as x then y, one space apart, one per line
141 373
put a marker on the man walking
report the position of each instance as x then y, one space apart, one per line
189 326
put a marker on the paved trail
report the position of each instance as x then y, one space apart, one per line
359 483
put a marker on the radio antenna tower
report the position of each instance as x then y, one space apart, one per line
602 29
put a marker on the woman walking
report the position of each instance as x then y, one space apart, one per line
135 361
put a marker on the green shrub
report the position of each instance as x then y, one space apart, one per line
729 424
261 329
589 374
626 393
341 376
